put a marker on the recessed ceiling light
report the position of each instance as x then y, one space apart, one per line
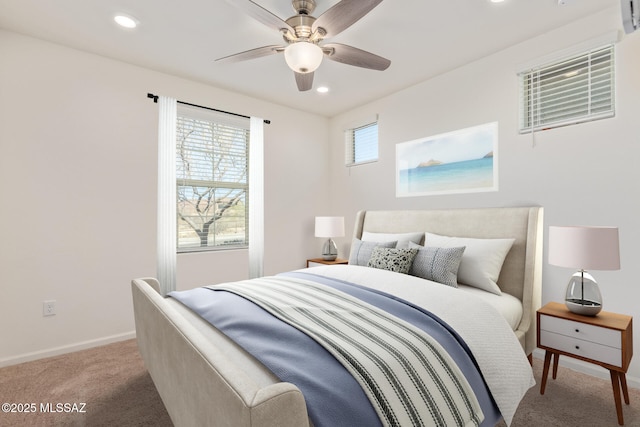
497 1
126 21
323 89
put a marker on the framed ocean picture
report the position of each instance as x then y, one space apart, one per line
462 161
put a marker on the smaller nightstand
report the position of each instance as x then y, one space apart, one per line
605 339
314 262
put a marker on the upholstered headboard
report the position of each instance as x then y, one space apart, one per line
521 272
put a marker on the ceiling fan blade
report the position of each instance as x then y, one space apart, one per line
353 56
260 14
304 81
258 52
342 15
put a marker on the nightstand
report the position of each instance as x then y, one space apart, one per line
605 339
314 262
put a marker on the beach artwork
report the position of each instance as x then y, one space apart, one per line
463 161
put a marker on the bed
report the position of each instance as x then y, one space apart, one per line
205 378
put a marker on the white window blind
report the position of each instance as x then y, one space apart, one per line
361 144
211 179
574 90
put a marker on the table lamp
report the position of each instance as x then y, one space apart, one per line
584 248
329 226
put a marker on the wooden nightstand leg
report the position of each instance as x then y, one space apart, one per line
623 383
545 371
556 357
615 383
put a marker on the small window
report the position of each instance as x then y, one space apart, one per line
362 144
212 180
574 90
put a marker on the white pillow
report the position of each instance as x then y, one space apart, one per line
403 239
481 261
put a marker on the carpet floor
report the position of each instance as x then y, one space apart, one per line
109 386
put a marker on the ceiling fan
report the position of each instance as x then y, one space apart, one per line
303 34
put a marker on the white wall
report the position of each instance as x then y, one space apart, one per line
78 192
585 174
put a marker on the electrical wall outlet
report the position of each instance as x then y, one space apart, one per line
49 308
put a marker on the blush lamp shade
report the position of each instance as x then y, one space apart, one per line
329 226
303 57
584 248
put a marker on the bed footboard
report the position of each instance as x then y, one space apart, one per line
199 384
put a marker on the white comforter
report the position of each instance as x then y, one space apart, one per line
494 345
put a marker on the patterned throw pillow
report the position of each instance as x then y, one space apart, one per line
398 260
437 264
361 251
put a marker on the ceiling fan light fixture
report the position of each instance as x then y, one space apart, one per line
303 57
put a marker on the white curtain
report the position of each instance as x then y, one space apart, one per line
166 246
256 198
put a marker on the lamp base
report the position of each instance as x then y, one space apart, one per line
583 296
329 250
583 307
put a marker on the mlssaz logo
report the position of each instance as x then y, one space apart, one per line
63 407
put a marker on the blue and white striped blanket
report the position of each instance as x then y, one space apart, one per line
400 374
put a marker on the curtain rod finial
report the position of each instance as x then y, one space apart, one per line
152 96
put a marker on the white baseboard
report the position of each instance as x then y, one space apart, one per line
56 351
587 368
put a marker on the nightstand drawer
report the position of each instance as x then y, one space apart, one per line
582 331
587 349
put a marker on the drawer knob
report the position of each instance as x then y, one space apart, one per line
577 347
577 330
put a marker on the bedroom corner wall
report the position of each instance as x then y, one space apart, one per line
583 174
78 193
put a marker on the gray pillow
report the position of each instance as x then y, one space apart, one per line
437 264
403 239
398 260
361 251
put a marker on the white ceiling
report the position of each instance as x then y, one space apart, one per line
422 38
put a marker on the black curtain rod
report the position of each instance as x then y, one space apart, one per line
155 99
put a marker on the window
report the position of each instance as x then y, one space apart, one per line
212 180
361 144
573 90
